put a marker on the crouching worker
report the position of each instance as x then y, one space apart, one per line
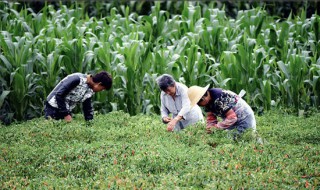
234 111
73 89
175 101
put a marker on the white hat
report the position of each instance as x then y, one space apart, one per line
195 93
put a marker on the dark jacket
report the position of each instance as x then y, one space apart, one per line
71 90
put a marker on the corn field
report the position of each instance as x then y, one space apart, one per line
276 61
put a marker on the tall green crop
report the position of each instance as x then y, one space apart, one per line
275 61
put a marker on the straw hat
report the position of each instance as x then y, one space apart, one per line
195 93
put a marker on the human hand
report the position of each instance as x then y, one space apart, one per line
68 118
171 124
209 129
166 119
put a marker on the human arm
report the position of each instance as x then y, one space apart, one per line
163 109
87 109
185 102
173 122
185 106
230 119
211 121
61 91
224 104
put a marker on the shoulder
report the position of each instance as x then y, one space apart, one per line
78 75
228 92
162 94
181 87
72 79
74 76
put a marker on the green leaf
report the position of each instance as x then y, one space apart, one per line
284 34
3 97
272 38
6 62
284 69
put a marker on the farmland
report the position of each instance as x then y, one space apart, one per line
275 60
128 152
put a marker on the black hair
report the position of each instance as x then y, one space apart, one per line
104 77
164 81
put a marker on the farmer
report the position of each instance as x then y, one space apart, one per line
73 89
234 111
175 101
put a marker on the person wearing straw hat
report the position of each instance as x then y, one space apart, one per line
175 102
234 111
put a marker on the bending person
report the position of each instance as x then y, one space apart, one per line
73 89
175 101
234 111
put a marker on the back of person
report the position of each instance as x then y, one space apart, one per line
234 111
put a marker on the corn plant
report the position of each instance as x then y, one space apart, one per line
275 61
18 64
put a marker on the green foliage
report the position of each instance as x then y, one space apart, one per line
126 152
275 61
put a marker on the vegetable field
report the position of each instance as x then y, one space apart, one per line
119 151
276 61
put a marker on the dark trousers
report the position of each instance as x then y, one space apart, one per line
52 112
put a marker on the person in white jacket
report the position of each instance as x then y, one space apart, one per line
176 110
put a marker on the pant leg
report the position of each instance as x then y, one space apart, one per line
51 112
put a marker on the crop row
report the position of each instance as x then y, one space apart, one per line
275 61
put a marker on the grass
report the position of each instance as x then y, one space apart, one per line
119 151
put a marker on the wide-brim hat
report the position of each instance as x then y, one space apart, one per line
195 93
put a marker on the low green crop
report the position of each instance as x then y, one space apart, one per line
126 152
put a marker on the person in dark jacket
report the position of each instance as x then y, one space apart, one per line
73 89
234 111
